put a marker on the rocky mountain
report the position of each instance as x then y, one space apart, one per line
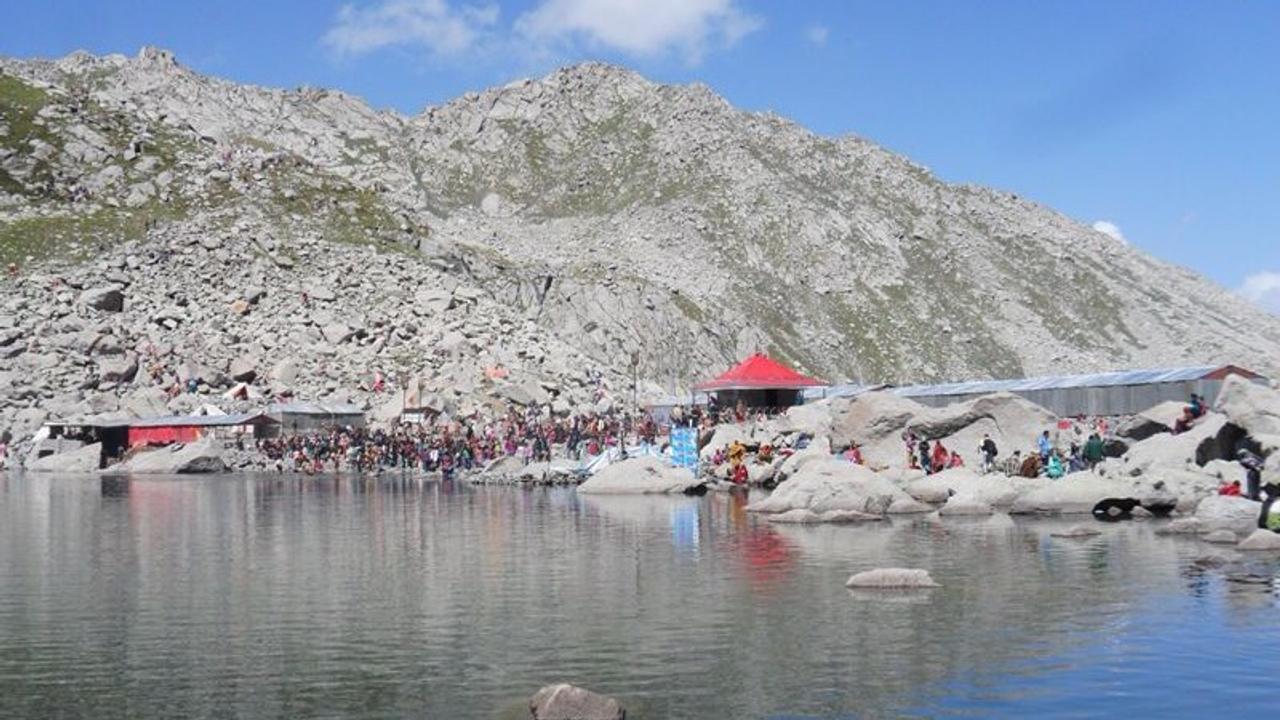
589 219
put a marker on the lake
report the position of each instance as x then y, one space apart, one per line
265 597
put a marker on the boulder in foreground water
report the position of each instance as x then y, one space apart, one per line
1224 512
640 476
81 460
1222 537
1260 540
890 578
568 702
203 456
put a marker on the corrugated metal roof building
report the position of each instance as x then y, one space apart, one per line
307 416
1124 392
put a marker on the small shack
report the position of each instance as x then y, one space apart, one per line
759 382
296 417
189 428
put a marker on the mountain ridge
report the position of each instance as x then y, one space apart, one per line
622 217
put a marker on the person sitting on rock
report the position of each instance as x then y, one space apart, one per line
1054 469
955 461
854 454
739 475
1231 489
765 455
1197 406
1183 423
939 458
1030 466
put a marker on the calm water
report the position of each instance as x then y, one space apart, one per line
257 598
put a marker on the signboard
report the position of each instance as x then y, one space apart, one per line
684 448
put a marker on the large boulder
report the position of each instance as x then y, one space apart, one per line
568 702
82 460
1151 422
118 369
994 489
876 421
1222 512
109 298
1251 406
1209 439
1076 493
640 476
966 504
827 485
722 436
202 456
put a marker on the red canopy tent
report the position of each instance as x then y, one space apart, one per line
760 381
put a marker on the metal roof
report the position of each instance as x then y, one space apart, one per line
200 420
314 408
1055 382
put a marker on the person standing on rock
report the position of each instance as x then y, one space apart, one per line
926 462
1045 446
989 452
1093 450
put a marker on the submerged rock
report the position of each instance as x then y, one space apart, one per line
1183 526
1222 537
892 578
1076 531
801 516
569 702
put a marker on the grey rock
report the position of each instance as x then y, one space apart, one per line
83 460
568 702
109 298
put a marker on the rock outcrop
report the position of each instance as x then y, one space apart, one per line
80 461
640 476
832 485
203 456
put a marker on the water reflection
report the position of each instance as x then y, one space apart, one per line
341 596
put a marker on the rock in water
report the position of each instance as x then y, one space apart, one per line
569 702
1222 537
892 578
640 476
1183 526
801 516
80 461
203 456
1077 531
1260 540
1221 512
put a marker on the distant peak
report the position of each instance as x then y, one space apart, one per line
152 55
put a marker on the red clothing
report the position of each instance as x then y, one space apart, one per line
1232 490
739 475
940 457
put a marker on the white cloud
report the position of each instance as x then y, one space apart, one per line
639 27
1111 229
1264 290
817 34
434 24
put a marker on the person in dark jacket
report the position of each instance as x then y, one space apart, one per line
1093 450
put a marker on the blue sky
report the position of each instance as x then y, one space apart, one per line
1160 118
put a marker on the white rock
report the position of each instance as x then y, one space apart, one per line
1221 512
1076 493
1222 537
639 476
80 461
825 485
803 516
965 504
890 578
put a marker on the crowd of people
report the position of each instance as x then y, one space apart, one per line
450 446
